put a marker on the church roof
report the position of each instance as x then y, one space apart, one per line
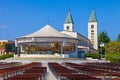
69 18
47 31
92 17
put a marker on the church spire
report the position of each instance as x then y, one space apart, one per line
69 18
92 17
69 24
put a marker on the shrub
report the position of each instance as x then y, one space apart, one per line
6 56
113 57
93 55
23 53
2 57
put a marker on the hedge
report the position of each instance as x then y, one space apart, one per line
6 56
23 53
93 55
113 57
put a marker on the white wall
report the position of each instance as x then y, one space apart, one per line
73 34
71 26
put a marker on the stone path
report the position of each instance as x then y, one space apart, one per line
50 76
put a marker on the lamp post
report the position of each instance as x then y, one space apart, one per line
16 49
101 45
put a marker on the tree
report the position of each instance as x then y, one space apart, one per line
104 38
2 45
112 51
112 47
118 38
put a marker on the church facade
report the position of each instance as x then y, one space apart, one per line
49 40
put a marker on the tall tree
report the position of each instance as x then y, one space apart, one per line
118 38
104 38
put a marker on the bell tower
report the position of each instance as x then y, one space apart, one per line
93 29
69 24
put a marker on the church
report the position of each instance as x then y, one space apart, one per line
48 40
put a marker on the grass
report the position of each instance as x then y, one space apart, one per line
113 57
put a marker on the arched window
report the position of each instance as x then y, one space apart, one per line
67 27
92 26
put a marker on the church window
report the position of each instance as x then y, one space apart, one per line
80 42
92 26
92 34
92 30
67 27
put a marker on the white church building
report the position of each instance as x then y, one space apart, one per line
48 40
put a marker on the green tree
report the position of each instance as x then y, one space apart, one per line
104 38
2 45
112 47
118 38
112 50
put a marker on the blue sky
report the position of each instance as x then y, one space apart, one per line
21 17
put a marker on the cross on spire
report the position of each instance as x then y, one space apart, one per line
48 22
68 8
69 17
92 17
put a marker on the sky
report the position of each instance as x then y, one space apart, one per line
22 17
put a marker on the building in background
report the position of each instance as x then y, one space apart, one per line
2 46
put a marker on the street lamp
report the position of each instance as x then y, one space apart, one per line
101 45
